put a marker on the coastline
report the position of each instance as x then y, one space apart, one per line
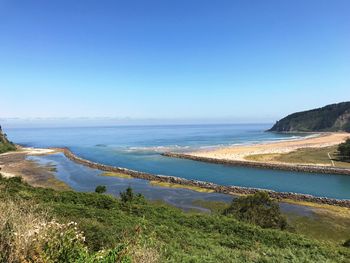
240 155
263 165
231 190
240 152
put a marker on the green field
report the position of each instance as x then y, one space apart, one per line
168 234
314 156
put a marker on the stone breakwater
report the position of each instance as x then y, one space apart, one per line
232 190
261 165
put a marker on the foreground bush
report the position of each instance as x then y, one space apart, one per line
19 224
258 209
144 232
26 235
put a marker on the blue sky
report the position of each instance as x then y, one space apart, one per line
235 61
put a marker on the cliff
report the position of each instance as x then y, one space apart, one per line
334 117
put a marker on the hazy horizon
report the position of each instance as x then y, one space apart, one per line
110 122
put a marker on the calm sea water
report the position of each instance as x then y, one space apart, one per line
139 148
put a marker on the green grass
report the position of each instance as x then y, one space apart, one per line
178 236
183 186
313 156
322 226
120 175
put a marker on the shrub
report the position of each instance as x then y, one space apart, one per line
344 151
128 196
100 189
258 209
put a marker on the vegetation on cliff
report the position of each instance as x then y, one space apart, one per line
334 117
92 227
5 144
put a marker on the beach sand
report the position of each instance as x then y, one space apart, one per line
239 153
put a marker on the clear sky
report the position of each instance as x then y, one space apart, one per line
252 61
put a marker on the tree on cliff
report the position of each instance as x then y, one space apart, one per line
258 209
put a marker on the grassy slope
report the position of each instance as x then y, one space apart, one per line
179 236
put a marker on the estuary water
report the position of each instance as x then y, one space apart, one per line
140 148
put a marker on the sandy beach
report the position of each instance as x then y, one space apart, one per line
239 153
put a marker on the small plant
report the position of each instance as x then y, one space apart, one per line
100 189
258 209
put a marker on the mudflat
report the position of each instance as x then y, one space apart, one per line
16 163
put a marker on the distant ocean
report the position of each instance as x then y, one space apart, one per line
139 148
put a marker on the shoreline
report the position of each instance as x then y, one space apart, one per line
239 155
240 152
231 190
263 165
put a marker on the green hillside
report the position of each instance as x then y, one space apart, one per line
5 144
334 117
139 231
